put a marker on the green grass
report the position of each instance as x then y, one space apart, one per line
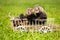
16 7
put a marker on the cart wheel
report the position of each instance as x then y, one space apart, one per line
20 28
45 29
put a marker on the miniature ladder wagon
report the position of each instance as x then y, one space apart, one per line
22 25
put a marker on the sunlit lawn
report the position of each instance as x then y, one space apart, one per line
15 7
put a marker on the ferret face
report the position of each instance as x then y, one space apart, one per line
29 11
36 10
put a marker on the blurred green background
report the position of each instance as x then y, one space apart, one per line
15 7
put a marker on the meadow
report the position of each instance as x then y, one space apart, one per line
15 7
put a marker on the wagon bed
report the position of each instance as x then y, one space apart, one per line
23 26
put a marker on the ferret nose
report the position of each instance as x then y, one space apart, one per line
36 10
